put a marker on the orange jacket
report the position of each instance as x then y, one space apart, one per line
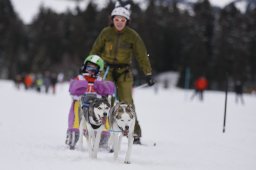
201 83
28 80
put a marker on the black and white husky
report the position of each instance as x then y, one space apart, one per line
93 119
122 123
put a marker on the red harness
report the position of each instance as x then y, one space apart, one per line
90 80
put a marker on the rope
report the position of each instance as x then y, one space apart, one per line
121 130
115 131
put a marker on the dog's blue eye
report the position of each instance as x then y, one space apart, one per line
99 108
129 120
122 120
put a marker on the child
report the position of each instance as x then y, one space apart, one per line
87 82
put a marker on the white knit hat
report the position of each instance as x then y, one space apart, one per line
121 11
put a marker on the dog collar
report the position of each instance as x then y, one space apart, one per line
95 126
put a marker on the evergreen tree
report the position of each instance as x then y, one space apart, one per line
251 25
206 40
232 56
45 48
11 41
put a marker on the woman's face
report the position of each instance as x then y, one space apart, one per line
119 22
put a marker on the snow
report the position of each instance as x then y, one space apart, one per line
188 134
27 9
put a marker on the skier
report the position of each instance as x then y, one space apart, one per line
117 44
200 85
84 84
238 88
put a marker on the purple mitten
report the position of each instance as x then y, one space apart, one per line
104 88
78 87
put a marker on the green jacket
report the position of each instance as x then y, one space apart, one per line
119 48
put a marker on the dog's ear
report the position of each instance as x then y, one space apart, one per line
95 102
104 97
117 105
120 109
131 107
131 110
106 101
118 116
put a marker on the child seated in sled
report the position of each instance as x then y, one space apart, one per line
88 82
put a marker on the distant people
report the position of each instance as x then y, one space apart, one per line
38 83
47 81
28 81
253 92
18 80
239 91
200 85
53 81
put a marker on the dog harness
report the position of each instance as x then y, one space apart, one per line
74 119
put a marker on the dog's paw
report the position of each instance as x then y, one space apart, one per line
127 162
71 147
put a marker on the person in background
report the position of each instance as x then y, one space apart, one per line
88 82
18 80
117 44
238 88
200 85
47 81
38 83
28 81
53 82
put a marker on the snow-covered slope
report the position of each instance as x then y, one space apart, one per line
188 134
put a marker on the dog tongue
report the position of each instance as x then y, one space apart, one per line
125 132
103 120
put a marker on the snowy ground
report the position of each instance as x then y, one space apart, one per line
188 134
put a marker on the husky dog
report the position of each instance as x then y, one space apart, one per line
94 114
122 122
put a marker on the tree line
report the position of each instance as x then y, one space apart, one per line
198 40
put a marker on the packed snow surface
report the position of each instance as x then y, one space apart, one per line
188 134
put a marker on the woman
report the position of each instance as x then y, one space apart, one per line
117 44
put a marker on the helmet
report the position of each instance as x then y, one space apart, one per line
122 11
95 59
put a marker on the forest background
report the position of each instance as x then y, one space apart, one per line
192 39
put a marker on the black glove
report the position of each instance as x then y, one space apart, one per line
150 80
